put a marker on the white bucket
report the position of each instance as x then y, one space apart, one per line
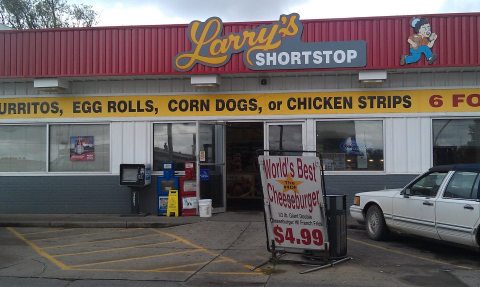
205 207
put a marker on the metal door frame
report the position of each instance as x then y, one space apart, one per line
266 131
222 164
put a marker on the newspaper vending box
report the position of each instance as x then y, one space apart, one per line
188 190
165 183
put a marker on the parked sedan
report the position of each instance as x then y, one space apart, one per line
443 204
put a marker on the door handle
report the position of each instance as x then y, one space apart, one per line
427 203
468 206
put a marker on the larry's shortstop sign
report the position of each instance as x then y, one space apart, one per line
293 200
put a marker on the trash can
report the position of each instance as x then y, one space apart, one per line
205 207
337 225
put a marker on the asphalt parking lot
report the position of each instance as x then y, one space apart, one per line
216 253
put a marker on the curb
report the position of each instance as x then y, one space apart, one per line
58 224
116 224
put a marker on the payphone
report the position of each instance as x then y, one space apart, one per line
135 176
165 183
188 190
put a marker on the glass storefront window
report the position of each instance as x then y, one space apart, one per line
350 145
456 141
174 143
285 137
23 148
79 148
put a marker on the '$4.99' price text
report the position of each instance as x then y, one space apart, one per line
307 236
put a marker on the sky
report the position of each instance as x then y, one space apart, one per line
153 12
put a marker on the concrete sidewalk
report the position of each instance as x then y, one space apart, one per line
127 221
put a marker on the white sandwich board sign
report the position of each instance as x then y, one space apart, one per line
294 202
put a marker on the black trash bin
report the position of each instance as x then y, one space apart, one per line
337 225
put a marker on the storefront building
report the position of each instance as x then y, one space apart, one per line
382 99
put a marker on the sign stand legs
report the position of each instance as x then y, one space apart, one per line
331 264
276 259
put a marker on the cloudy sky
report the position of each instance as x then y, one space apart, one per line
151 12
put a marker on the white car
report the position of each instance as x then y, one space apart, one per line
443 204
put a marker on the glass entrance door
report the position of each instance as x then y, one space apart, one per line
211 164
285 137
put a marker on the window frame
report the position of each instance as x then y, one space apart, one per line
152 143
47 171
109 171
353 172
432 135
292 122
10 173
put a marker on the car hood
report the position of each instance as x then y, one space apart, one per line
382 193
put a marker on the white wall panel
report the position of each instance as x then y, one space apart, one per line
142 143
234 84
426 144
311 137
399 145
105 89
130 143
413 138
440 79
388 152
407 145
116 87
128 140
116 146
152 86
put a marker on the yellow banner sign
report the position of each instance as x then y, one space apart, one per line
319 103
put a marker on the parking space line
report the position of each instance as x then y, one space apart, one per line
82 234
131 270
187 265
185 241
166 269
39 250
98 241
169 271
135 258
48 231
113 249
410 255
180 266
235 273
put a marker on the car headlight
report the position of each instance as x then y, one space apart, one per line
356 200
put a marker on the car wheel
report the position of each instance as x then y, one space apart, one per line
376 227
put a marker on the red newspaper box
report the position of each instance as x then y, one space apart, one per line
188 190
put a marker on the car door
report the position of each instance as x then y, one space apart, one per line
414 207
458 208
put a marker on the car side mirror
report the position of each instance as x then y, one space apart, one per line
407 192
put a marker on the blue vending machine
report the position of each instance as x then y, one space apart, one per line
164 184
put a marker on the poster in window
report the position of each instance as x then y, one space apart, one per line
350 146
82 148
